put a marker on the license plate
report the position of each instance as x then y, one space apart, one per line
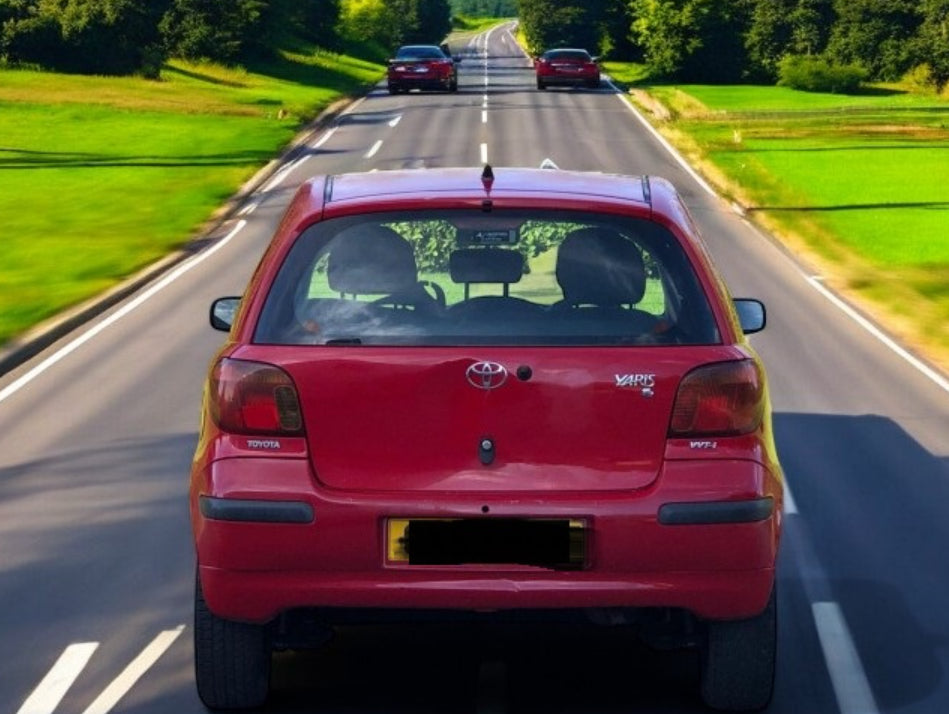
558 544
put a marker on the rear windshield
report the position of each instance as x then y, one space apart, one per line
505 278
577 55
410 53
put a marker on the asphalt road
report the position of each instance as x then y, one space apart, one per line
96 436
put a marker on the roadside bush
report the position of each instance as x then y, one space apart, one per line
816 74
921 79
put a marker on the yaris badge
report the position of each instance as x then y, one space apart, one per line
486 375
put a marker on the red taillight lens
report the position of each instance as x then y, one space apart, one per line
723 399
254 398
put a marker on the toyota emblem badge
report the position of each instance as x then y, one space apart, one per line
486 375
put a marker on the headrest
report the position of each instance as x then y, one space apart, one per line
597 266
486 265
371 259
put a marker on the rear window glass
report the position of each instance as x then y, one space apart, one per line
409 53
578 55
505 278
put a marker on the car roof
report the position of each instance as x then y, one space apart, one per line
466 183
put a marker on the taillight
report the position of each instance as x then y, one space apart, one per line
254 398
722 399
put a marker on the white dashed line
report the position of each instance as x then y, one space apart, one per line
249 208
374 150
484 116
790 505
484 153
326 137
395 122
851 687
284 172
50 692
121 685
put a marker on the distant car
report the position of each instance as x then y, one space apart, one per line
566 67
422 67
451 393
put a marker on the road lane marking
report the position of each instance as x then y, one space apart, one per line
790 505
50 692
395 122
484 153
374 150
249 208
484 116
185 267
665 144
326 137
121 685
283 173
940 381
847 676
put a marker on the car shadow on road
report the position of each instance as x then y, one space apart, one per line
872 503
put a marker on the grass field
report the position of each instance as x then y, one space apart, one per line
100 176
857 184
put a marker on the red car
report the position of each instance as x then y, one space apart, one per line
421 67
468 392
566 67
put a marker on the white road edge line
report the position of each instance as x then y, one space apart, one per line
940 381
121 685
662 140
847 676
50 692
374 150
18 384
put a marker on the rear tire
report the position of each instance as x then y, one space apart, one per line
541 85
738 661
231 659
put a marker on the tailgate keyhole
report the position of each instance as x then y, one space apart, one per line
486 451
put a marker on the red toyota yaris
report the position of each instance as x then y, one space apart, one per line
456 391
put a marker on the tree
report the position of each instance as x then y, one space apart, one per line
933 40
213 30
85 36
781 27
549 23
695 40
877 34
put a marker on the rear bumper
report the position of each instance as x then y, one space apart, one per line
415 83
672 545
554 80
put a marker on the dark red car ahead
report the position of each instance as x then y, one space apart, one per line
421 67
453 392
566 67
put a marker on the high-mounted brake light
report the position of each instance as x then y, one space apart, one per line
254 398
722 399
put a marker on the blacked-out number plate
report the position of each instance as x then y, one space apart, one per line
547 543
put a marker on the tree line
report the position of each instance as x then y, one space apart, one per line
752 40
683 40
117 37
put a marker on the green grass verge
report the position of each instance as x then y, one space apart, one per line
858 183
100 176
